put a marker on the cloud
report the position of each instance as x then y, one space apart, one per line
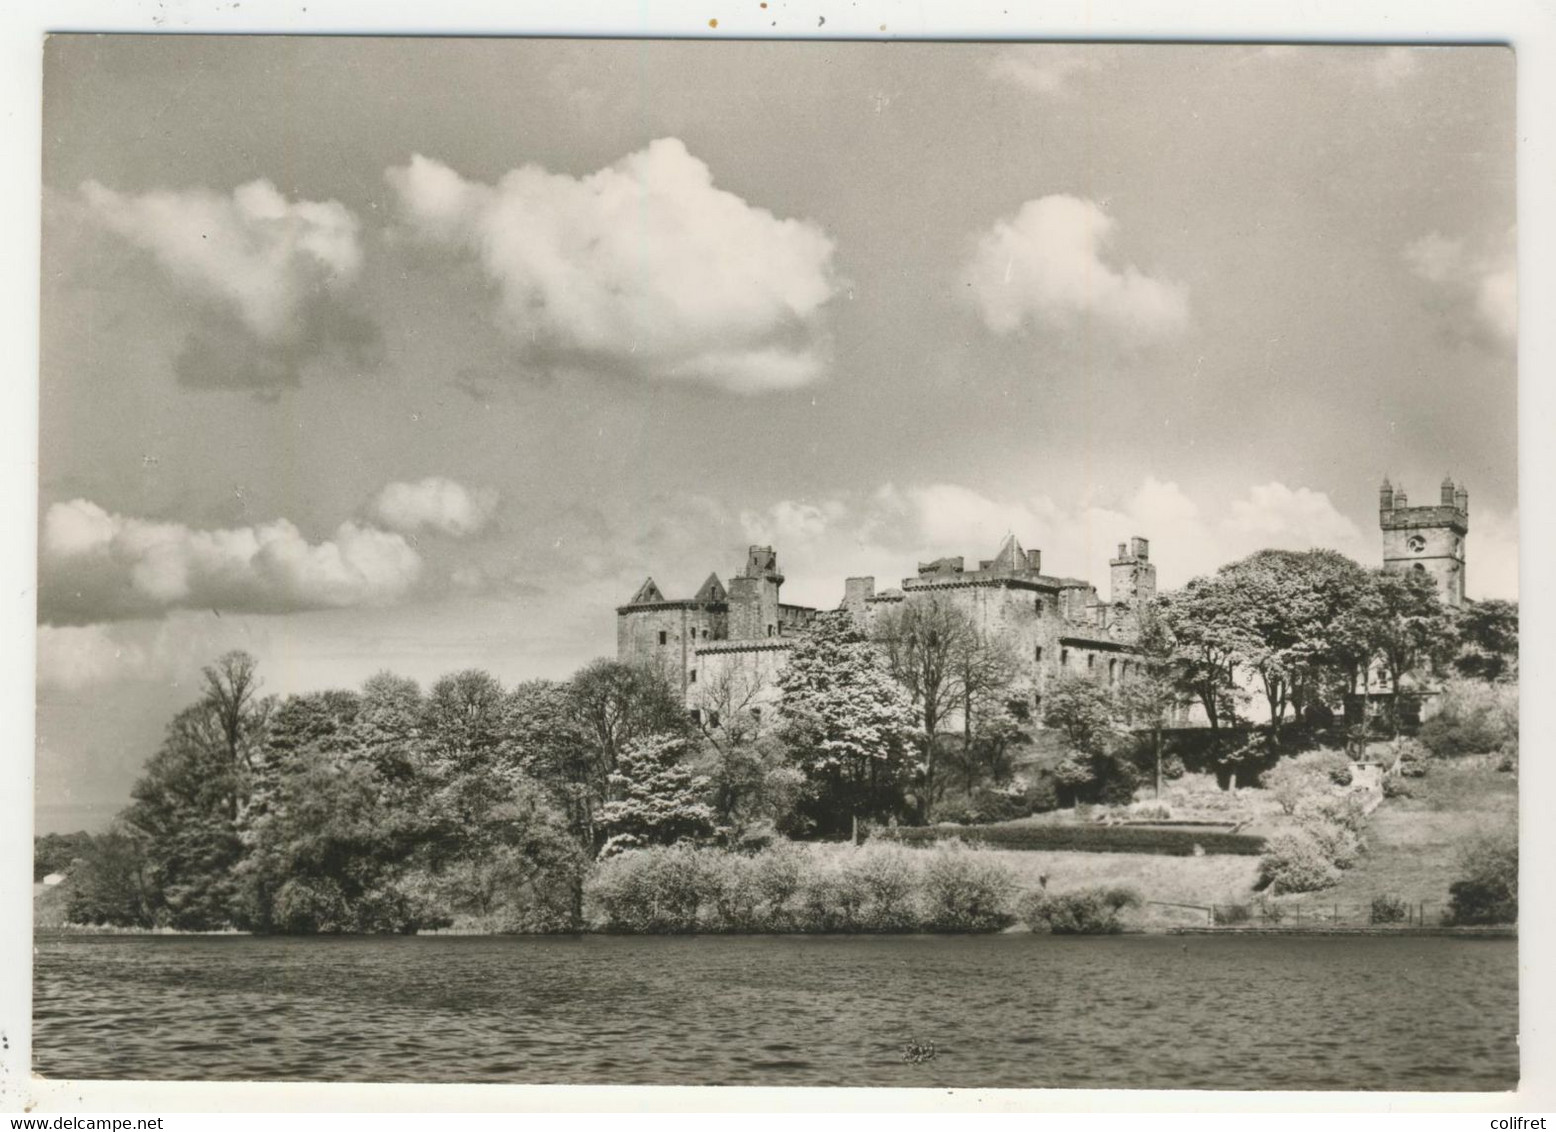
435 504
98 566
643 267
886 534
1045 265
1041 69
72 657
1486 279
273 276
1491 556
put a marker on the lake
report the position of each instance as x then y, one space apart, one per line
1014 1010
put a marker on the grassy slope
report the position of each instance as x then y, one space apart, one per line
1412 843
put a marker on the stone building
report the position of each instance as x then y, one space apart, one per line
1429 539
725 646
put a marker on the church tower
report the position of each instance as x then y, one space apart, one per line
1429 539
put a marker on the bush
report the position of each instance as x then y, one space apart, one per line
1226 914
877 888
1091 911
1296 861
1089 839
1394 787
657 890
1488 890
1341 845
966 891
1472 718
1389 910
1347 810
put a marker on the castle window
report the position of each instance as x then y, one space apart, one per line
1037 604
696 715
771 630
1112 672
713 719
1037 653
1419 568
1091 661
692 679
664 637
1064 658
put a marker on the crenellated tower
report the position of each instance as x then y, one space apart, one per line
1429 539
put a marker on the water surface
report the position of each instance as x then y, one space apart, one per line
1016 1010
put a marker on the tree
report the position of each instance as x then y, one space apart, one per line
1208 637
57 852
950 668
1082 709
660 800
236 712
1411 627
1488 640
846 724
741 751
1286 607
183 806
110 882
1150 692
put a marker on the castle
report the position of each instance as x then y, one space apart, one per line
725 646
730 643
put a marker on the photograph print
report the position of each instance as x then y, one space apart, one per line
652 562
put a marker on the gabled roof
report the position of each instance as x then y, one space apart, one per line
1010 556
712 590
647 592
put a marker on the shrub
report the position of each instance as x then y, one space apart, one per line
1089 839
1472 718
1294 781
885 874
1487 892
1296 861
1271 911
1340 844
1394 787
830 899
1389 909
966 891
655 890
1225 914
1507 763
1347 810
1091 911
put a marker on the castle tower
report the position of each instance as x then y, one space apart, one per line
1132 577
1427 539
753 596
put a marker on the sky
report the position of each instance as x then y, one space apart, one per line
422 354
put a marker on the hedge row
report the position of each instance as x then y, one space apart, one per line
1087 839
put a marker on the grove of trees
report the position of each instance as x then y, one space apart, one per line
393 808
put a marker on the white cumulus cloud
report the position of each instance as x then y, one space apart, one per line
259 254
99 566
435 504
1046 265
643 266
